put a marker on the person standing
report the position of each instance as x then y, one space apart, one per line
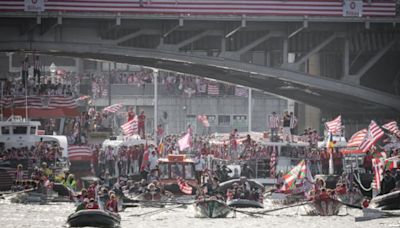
293 125
24 71
287 136
273 123
233 143
199 166
160 134
131 114
110 160
36 69
141 123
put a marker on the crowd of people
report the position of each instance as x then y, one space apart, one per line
42 152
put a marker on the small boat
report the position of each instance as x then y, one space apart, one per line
211 208
94 218
324 208
390 201
244 203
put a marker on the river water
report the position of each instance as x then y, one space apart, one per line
55 215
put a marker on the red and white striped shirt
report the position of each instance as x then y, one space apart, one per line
273 121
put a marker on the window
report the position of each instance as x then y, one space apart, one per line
212 119
239 120
164 171
18 130
33 130
224 120
5 130
189 171
176 170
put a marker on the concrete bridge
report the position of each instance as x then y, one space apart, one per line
338 64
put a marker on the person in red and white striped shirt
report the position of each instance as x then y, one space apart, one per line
273 123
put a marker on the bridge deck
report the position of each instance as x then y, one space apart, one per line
326 8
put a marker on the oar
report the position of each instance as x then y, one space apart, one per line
271 210
23 191
349 205
157 211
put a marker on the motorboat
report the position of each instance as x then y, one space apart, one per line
94 218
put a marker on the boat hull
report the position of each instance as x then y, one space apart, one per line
94 218
390 201
211 208
324 208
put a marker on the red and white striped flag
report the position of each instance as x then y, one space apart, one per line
184 187
377 165
357 138
334 126
131 127
113 108
392 127
241 91
213 89
79 152
373 135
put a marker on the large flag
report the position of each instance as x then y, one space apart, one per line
113 108
213 89
130 127
40 106
373 135
357 138
241 91
79 153
334 126
392 127
184 142
297 172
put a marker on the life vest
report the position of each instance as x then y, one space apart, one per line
92 205
112 205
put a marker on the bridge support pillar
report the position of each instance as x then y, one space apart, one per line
310 116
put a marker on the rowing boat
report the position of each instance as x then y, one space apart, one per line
211 208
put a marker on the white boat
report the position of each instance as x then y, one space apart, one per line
18 132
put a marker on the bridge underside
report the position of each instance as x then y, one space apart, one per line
355 61
328 101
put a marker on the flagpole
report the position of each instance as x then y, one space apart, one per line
26 98
2 96
249 110
155 78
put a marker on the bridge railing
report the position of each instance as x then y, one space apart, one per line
336 8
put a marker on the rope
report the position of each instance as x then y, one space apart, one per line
357 178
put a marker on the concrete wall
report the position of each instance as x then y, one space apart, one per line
183 110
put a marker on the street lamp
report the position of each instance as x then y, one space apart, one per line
53 70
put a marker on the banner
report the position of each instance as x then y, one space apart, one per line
352 8
34 5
